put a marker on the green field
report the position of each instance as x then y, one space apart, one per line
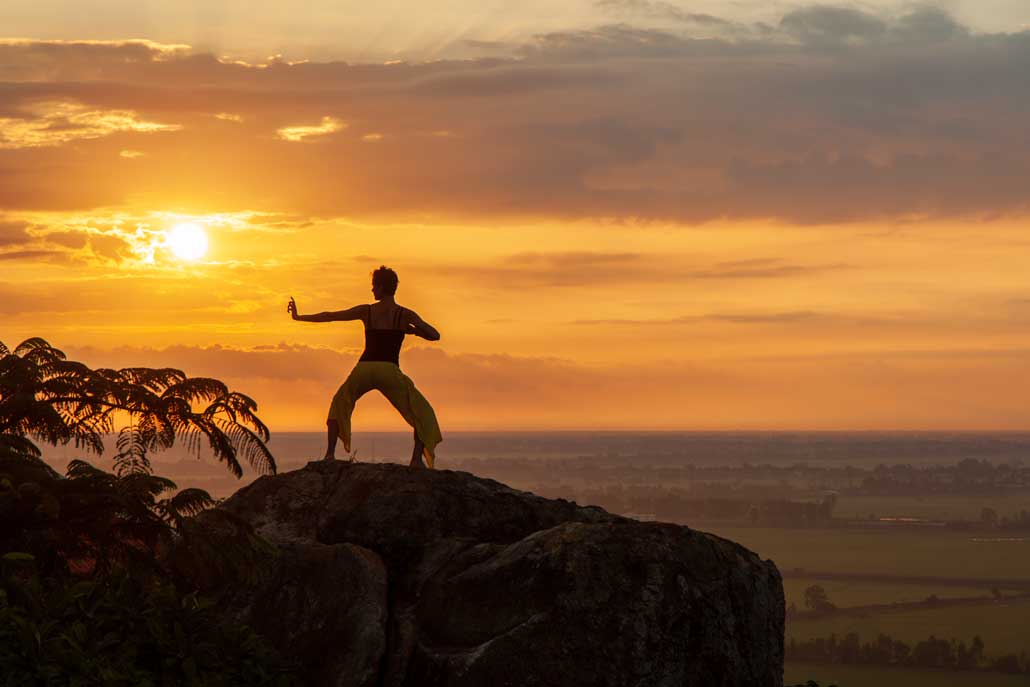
862 676
936 507
1003 628
886 551
900 552
862 593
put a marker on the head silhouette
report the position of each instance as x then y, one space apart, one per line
384 282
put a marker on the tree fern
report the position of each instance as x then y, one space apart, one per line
45 395
124 515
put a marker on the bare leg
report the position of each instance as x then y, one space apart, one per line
416 454
332 432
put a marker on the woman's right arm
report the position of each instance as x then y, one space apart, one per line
419 327
355 313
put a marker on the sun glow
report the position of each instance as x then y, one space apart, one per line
187 241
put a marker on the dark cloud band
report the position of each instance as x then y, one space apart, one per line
833 115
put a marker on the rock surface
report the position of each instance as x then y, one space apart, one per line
380 575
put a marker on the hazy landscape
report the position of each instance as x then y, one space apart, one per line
911 535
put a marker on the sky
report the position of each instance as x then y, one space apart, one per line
620 214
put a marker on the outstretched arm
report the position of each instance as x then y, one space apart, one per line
419 327
354 313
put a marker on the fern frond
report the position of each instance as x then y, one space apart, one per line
140 484
251 446
80 469
221 445
154 379
190 502
19 446
196 389
28 346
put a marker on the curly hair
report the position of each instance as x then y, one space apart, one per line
386 279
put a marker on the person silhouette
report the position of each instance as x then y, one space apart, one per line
386 324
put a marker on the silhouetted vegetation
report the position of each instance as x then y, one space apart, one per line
84 596
968 476
122 630
817 601
887 651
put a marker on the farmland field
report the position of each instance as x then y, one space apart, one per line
868 676
887 551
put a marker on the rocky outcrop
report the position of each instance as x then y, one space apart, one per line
381 575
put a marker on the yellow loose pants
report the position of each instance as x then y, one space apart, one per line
388 379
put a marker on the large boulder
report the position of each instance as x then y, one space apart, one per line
383 575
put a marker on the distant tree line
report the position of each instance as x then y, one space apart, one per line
947 654
679 505
968 476
728 492
1017 521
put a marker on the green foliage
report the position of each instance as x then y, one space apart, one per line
96 519
83 596
117 630
43 394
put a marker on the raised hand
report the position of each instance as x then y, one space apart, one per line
291 308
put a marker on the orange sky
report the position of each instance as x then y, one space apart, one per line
816 225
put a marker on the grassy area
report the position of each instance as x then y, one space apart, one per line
862 593
937 507
884 551
1002 627
862 676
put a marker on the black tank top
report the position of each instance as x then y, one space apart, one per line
383 345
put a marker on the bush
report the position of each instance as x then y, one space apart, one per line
84 592
117 630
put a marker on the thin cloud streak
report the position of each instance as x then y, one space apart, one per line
299 133
801 316
578 269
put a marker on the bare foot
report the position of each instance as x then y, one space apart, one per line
417 463
329 456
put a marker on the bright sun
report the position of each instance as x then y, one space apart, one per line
187 241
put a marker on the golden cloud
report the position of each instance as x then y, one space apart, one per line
55 123
158 49
300 133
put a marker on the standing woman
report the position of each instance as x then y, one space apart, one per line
386 324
